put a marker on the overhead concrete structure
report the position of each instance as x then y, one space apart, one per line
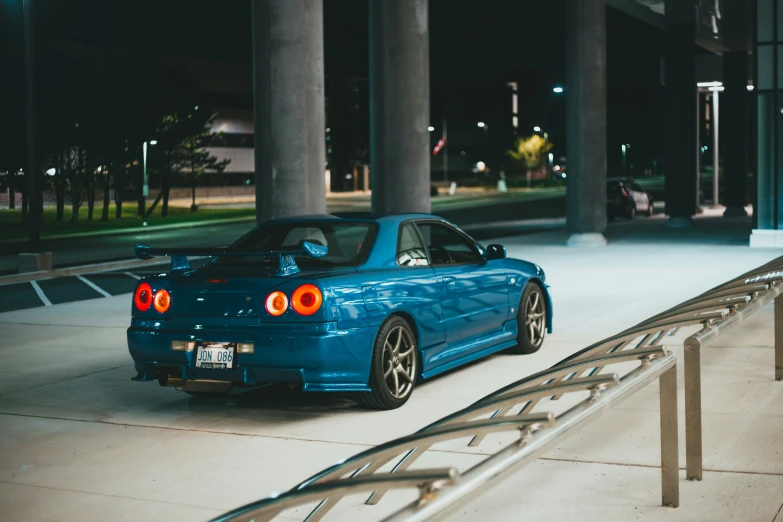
400 106
680 110
288 91
586 122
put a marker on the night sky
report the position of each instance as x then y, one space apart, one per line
475 48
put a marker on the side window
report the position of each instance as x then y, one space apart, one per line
447 246
410 251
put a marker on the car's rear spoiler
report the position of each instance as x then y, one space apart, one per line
286 265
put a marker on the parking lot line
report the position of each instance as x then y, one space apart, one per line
40 293
95 287
131 274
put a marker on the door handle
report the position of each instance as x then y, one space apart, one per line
449 280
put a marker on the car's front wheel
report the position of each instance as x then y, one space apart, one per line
394 366
531 319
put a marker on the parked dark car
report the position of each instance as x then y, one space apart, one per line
625 198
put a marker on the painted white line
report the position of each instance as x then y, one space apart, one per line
40 293
131 274
92 285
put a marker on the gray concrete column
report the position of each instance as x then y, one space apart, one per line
586 122
680 118
400 106
735 112
288 89
734 128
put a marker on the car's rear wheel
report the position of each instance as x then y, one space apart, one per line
394 366
650 209
531 319
631 215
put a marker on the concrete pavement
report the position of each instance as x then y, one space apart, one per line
80 441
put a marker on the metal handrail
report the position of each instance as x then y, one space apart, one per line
509 409
267 509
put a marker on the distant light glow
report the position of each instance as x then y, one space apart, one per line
328 129
481 124
481 166
153 142
195 108
537 128
717 89
551 156
750 87
556 168
563 174
557 90
709 84
430 128
51 171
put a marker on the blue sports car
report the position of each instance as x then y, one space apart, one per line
335 304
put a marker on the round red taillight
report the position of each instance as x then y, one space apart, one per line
162 300
142 298
276 303
306 300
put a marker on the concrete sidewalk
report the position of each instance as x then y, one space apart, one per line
80 442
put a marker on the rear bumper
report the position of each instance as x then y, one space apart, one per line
319 356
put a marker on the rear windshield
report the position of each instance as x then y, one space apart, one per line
349 244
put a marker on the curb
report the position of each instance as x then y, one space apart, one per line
76 270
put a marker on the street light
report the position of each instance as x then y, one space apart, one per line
481 124
537 128
145 190
557 89
430 128
625 147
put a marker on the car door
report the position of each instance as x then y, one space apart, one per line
473 294
644 201
639 196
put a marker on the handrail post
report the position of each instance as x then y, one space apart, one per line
670 466
693 436
778 339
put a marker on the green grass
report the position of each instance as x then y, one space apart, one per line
13 229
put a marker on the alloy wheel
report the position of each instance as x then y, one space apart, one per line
399 362
535 318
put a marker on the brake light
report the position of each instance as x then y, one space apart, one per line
162 300
625 194
276 303
306 300
142 298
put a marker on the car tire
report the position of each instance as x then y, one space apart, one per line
531 319
394 356
650 210
631 213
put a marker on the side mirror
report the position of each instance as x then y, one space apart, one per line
496 252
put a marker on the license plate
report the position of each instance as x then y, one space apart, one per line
215 356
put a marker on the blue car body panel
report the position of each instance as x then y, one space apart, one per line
459 313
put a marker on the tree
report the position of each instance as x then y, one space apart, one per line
530 153
181 140
193 158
